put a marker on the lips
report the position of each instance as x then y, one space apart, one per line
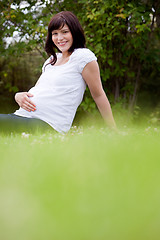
62 43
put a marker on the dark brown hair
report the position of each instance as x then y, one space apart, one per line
57 22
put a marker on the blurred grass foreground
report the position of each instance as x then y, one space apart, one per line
91 184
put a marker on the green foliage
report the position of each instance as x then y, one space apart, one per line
20 73
118 34
155 116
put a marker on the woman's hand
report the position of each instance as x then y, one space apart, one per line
23 100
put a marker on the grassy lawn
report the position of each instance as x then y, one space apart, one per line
91 184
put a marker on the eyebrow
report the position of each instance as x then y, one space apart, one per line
64 29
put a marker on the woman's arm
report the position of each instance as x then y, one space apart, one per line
23 100
91 75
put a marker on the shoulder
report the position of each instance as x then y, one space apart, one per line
83 52
82 56
47 61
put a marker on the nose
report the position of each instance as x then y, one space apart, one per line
60 36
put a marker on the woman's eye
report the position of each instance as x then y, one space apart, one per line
54 34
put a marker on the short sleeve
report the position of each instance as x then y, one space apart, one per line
84 56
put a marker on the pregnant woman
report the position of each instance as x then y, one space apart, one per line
53 101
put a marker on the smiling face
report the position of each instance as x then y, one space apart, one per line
62 38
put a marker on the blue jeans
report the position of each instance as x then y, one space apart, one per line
13 123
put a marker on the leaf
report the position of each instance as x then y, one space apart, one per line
110 62
121 15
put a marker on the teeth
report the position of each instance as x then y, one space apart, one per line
62 43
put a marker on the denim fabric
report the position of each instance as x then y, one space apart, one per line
14 123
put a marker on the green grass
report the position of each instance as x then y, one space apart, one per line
91 184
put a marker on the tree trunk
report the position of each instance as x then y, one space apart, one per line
133 99
116 95
157 12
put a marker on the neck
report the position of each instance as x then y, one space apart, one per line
66 54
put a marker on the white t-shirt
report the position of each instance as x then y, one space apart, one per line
59 91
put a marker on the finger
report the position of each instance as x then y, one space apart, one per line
31 104
28 107
28 102
27 99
